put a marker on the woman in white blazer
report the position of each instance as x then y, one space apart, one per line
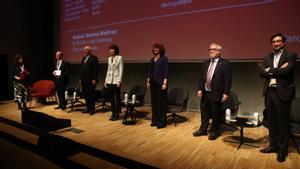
113 79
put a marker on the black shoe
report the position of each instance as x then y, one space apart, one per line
25 108
19 106
116 117
63 108
213 136
152 125
269 150
112 118
281 157
86 111
160 126
200 133
58 107
92 112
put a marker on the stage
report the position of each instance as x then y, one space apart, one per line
142 145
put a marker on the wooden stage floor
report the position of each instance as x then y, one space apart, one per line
170 147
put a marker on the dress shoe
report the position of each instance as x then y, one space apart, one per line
92 112
152 125
114 118
86 111
213 136
63 108
160 126
269 150
200 133
281 157
19 106
58 107
25 108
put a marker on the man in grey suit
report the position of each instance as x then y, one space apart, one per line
279 90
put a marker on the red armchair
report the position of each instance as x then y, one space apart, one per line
42 89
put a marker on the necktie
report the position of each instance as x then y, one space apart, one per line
209 75
58 65
86 59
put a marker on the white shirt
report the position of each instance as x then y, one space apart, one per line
214 64
276 59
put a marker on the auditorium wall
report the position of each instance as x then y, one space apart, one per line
246 81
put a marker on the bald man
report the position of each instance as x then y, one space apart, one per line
60 73
88 74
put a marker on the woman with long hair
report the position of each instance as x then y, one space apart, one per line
20 77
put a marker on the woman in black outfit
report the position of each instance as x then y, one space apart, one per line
158 83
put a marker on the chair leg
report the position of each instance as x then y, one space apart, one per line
178 116
125 115
174 115
295 143
72 105
182 117
133 118
174 118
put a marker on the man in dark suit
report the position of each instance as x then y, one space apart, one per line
213 89
88 74
279 91
61 79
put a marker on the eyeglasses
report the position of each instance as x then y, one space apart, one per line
213 49
274 41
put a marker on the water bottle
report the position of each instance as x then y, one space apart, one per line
256 118
228 114
74 95
133 99
66 95
126 98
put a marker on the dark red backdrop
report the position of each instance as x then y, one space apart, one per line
243 27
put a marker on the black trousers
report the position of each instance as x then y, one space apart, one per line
60 86
159 99
115 99
210 108
278 119
88 90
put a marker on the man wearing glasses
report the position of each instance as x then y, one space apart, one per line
89 77
213 89
279 91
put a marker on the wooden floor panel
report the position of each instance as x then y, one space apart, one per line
171 147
